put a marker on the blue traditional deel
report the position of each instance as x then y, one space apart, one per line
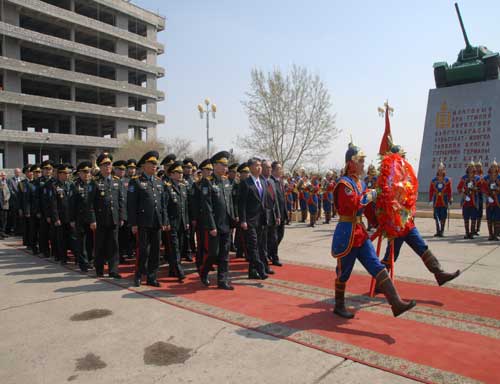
440 186
343 236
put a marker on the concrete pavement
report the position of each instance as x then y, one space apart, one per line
62 326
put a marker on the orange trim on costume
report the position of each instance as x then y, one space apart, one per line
349 246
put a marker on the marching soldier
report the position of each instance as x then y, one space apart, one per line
40 205
178 217
120 171
351 241
328 196
107 201
491 189
440 194
217 214
189 244
59 196
311 192
83 216
165 236
24 204
302 196
147 216
468 188
201 232
30 206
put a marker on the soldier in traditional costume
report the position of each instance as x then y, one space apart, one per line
491 188
351 240
468 187
440 195
480 199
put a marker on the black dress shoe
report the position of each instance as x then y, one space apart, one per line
115 275
205 281
263 276
253 275
84 269
277 263
153 283
269 271
225 286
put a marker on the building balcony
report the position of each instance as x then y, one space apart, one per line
75 107
77 78
59 139
51 11
135 11
77 48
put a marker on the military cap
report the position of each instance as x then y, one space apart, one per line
234 167
121 164
176 166
131 163
84 166
48 164
187 162
353 153
221 157
206 164
104 158
195 165
243 168
64 168
169 159
35 168
27 168
149 157
160 173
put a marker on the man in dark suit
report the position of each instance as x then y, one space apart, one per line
107 201
273 215
277 178
147 216
14 221
252 215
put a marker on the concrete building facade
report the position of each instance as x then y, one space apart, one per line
76 77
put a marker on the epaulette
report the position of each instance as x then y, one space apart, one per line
116 177
168 183
210 178
135 177
157 178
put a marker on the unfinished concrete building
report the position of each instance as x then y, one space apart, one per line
78 77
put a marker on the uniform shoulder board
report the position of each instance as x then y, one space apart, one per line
157 178
135 177
168 183
116 177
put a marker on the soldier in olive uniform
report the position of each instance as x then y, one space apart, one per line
120 171
39 205
147 216
177 210
30 206
189 245
59 196
83 216
206 168
24 194
107 201
217 213
165 236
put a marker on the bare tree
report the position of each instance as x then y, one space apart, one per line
182 147
136 148
290 116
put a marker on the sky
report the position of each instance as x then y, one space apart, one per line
365 52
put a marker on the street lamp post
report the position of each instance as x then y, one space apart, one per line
206 111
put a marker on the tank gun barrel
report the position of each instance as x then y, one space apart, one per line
467 44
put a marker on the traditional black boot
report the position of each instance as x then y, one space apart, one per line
443 222
340 308
467 230
491 230
434 267
478 227
398 306
473 228
438 228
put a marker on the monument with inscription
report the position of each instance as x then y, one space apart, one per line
462 123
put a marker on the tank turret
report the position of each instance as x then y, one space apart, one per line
473 64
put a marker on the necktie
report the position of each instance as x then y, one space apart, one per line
259 187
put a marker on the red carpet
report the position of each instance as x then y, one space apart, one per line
452 336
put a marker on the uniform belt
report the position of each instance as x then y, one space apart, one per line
350 219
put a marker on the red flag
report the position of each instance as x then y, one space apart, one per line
385 145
